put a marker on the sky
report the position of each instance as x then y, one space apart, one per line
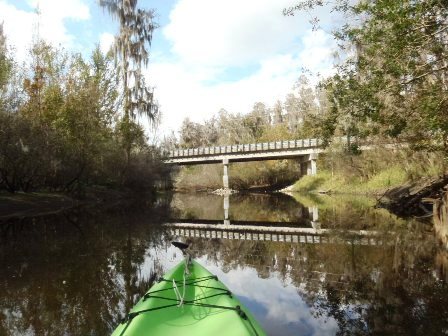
206 54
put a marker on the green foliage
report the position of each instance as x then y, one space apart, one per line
257 121
5 61
301 115
278 132
393 82
67 132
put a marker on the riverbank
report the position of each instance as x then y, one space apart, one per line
326 182
392 188
21 205
33 204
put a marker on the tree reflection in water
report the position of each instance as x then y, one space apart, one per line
75 273
78 273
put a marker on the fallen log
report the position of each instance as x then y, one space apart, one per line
414 200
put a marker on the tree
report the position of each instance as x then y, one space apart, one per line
394 81
302 107
5 62
191 134
131 52
63 111
10 81
257 120
232 129
278 113
293 116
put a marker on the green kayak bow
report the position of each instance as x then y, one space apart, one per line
189 300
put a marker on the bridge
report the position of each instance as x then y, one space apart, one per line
299 235
306 150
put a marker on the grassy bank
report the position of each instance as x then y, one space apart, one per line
327 182
370 172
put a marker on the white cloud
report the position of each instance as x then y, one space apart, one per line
316 55
73 9
232 32
183 91
106 41
212 40
21 25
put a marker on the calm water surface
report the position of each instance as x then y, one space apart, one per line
369 273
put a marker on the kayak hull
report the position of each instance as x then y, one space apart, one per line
208 308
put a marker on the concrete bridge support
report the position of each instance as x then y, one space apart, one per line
312 165
226 209
314 214
309 164
225 177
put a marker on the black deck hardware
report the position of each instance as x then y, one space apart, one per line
180 245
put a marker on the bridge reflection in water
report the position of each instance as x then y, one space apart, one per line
307 230
301 236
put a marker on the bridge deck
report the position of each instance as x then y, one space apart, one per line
245 152
263 151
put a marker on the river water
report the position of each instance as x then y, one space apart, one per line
318 265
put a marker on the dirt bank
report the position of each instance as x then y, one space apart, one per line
415 199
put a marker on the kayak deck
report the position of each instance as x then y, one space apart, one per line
208 308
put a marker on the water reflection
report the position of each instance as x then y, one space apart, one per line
72 274
255 209
78 273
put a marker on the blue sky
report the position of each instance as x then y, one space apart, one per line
206 54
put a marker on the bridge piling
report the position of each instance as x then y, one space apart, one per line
312 164
312 167
309 164
226 209
225 178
